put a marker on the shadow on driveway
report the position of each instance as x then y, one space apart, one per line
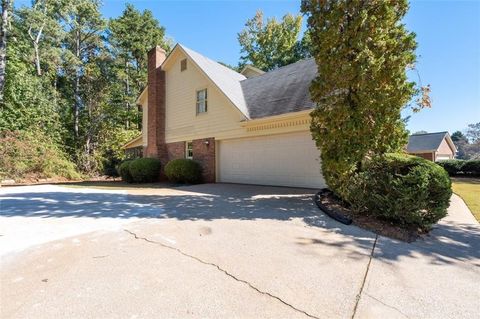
451 241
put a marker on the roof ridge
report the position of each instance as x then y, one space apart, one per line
444 132
211 60
282 67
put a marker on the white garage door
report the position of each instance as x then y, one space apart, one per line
284 160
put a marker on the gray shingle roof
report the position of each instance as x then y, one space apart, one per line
428 142
280 91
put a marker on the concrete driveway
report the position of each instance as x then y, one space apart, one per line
221 251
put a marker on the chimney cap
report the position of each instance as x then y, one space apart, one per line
157 48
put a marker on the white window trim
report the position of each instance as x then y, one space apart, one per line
197 101
186 150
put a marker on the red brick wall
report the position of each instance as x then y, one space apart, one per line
205 155
176 150
428 156
156 105
156 146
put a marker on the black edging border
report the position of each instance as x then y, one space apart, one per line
329 211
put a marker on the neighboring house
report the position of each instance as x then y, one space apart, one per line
432 146
250 127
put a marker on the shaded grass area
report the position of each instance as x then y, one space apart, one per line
469 190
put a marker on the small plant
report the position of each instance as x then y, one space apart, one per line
405 189
183 171
144 170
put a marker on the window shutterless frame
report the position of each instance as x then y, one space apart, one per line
189 150
201 101
183 65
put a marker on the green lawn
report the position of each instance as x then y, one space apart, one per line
469 190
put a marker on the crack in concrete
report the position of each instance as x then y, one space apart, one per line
357 299
224 271
387 305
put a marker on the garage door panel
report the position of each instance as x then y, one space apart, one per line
283 160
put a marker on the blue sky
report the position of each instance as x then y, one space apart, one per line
448 33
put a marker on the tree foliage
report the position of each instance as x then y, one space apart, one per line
66 72
362 50
130 36
468 145
272 44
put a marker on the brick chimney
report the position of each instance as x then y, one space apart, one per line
156 105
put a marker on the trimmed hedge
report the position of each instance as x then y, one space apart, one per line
461 167
401 188
124 171
140 170
183 171
145 170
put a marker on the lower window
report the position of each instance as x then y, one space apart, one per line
189 150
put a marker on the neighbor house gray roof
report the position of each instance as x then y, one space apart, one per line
428 142
280 91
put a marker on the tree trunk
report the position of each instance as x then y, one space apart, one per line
37 59
36 40
76 88
127 94
3 45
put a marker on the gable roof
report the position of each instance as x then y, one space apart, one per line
428 142
280 91
226 79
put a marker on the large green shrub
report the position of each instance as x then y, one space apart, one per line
453 167
183 171
401 188
145 170
461 167
124 171
471 167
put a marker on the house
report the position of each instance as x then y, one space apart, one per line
250 127
432 146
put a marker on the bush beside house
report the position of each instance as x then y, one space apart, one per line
405 189
145 170
140 170
124 171
183 171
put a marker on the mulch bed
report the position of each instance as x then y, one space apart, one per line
338 210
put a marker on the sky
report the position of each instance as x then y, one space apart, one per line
448 36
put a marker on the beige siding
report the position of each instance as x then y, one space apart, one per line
444 149
182 122
144 123
222 120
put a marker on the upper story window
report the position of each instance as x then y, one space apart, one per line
183 65
189 150
202 101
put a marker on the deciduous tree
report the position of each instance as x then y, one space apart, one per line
272 44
